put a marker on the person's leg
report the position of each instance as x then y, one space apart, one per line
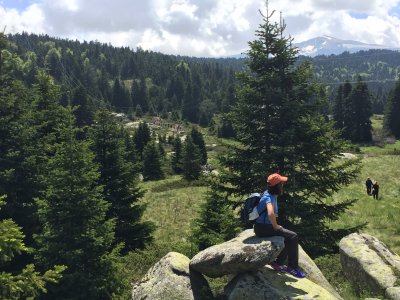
291 250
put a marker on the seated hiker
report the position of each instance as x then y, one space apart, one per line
375 190
266 225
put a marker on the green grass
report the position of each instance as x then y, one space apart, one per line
172 204
381 214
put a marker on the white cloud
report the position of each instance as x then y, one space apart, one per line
203 27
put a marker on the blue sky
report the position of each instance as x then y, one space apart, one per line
16 4
201 27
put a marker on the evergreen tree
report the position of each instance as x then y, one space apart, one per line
391 122
338 110
216 222
360 127
152 163
277 122
119 181
176 160
191 160
198 140
141 137
75 230
28 283
83 112
347 114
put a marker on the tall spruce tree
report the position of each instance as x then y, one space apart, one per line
346 110
176 159
338 109
216 222
391 121
27 283
191 160
359 127
198 140
117 175
141 137
152 162
75 231
279 127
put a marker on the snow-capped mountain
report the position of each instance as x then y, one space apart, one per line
327 45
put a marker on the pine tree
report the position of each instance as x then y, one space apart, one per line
347 114
279 127
198 140
152 163
119 180
83 112
338 110
75 231
216 222
360 128
176 160
142 137
28 283
191 160
391 121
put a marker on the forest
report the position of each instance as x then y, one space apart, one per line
71 174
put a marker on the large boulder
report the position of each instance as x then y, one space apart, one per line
370 264
314 273
244 253
170 278
265 283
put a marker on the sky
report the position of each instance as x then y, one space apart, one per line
202 28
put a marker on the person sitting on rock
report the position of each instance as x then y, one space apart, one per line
266 225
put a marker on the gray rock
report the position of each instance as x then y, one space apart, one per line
265 283
314 273
368 263
244 253
393 293
170 278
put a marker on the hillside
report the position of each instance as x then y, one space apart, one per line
125 78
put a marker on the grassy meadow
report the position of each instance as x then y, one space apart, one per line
173 203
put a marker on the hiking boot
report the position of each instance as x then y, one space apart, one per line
277 267
295 272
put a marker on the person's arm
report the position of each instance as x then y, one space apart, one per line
272 216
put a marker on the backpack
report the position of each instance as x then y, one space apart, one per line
249 212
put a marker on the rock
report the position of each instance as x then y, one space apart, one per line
393 293
369 264
265 283
314 274
244 253
170 278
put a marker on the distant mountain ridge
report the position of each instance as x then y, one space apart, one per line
327 45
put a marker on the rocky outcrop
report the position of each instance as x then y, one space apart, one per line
314 274
170 278
265 283
245 258
244 253
370 265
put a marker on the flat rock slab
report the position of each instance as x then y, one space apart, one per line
244 253
265 283
170 278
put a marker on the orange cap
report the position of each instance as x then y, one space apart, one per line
275 179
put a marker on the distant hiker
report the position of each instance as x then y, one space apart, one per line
266 225
368 184
375 190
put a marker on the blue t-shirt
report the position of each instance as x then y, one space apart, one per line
262 207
